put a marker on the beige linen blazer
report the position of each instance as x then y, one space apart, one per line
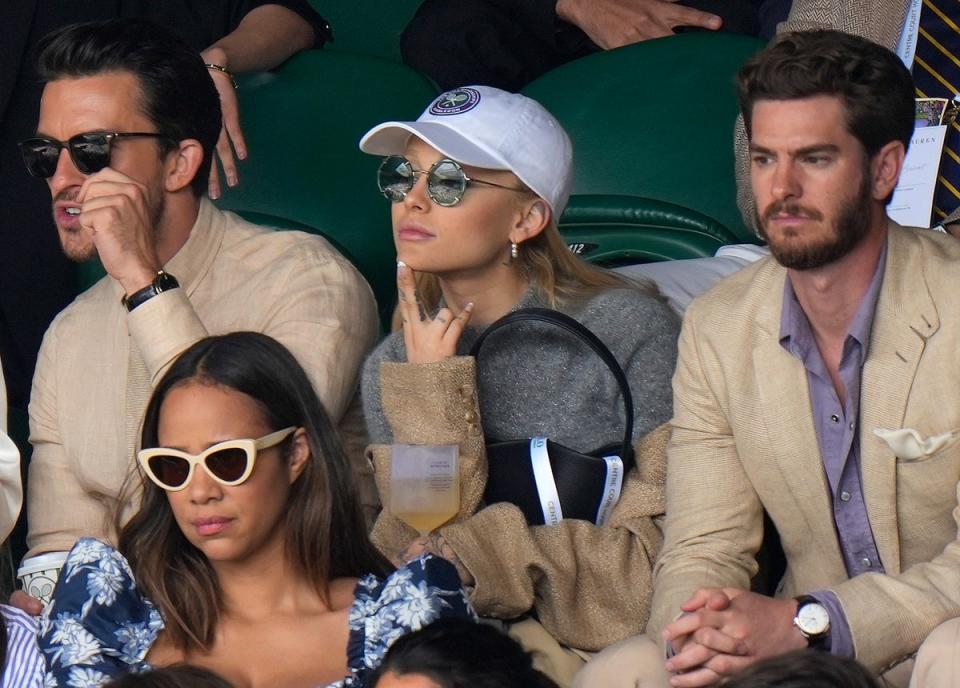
879 20
744 441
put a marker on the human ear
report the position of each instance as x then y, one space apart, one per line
885 169
534 218
298 456
182 165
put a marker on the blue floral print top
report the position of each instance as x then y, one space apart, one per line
99 625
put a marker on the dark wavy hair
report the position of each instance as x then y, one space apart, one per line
176 92
326 536
804 669
176 676
455 653
873 83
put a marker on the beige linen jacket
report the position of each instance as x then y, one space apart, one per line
744 440
234 276
589 585
879 20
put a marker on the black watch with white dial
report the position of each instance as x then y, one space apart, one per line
813 621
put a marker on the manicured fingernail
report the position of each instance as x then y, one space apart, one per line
468 307
400 266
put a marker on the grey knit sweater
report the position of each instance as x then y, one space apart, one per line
535 379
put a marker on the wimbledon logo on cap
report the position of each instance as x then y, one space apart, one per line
456 102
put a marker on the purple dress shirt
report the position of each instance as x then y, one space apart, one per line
836 422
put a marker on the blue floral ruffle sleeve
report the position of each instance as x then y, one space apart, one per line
413 596
98 625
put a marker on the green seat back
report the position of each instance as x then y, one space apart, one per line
302 124
654 122
371 27
623 230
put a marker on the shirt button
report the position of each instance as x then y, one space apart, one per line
866 562
835 418
844 496
469 416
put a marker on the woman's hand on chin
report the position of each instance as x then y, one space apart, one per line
427 339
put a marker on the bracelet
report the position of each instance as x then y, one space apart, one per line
222 70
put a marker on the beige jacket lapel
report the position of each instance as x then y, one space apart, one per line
906 316
789 428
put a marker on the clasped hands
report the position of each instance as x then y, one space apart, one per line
724 630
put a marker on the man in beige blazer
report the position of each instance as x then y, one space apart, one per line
819 385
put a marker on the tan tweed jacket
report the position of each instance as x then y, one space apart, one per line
589 586
744 440
879 20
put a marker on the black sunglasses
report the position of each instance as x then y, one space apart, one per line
446 180
89 151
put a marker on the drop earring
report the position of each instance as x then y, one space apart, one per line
513 251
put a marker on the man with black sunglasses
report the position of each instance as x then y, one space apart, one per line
128 125
234 35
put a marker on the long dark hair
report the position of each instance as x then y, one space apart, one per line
326 536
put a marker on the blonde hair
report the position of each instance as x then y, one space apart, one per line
560 276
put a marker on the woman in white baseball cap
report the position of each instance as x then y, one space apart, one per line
477 183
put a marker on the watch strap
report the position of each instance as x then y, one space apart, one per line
163 281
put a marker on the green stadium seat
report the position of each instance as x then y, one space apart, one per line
652 128
370 27
302 123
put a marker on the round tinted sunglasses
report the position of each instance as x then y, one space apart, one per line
90 151
229 463
446 180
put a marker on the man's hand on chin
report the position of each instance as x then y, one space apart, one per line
119 213
724 630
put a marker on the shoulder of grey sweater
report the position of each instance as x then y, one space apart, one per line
626 319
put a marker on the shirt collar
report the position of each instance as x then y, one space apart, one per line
795 333
196 255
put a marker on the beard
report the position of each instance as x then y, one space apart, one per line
851 226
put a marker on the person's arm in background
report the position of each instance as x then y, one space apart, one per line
11 487
615 23
267 36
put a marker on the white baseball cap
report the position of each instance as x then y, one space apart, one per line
485 127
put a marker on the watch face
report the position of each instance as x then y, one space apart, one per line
812 618
165 281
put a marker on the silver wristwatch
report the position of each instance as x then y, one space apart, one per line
812 620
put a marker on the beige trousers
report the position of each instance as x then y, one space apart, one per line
638 663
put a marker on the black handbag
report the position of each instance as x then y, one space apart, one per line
549 481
